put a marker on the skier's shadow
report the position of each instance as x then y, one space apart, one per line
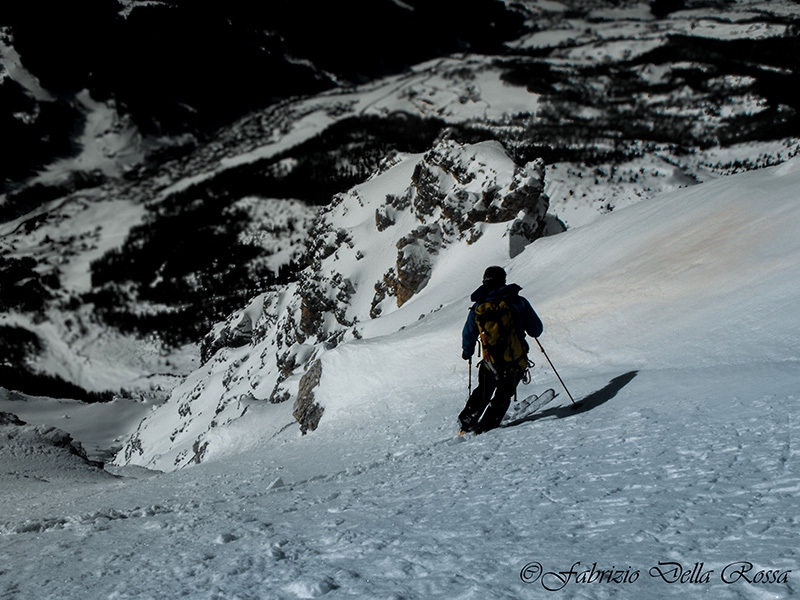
591 401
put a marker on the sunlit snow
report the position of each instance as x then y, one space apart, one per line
674 320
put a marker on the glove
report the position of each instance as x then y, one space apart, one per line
466 355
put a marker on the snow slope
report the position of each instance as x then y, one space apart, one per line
64 235
378 247
676 320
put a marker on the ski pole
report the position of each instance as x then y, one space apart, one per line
554 369
470 377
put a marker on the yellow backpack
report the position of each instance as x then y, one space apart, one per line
501 346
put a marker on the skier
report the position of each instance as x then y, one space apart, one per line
500 317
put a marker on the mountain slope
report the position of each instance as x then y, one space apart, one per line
204 66
674 317
680 463
118 264
667 284
374 252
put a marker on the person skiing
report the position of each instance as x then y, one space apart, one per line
500 317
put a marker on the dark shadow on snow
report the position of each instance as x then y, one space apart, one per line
601 396
590 402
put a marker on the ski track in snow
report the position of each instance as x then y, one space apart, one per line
638 476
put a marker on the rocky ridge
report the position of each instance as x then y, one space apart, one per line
372 251
109 283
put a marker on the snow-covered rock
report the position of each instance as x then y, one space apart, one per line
36 455
372 251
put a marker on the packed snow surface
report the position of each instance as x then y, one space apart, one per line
675 323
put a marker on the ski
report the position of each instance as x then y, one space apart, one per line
523 410
521 407
527 407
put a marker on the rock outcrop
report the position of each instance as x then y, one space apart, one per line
371 251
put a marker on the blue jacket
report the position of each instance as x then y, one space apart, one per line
526 319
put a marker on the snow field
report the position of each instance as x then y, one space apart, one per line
640 477
678 473
676 319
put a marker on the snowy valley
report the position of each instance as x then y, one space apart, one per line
288 428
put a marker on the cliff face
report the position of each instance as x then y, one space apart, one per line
372 251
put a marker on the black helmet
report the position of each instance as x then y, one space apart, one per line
494 277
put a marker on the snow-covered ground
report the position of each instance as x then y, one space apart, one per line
676 321
66 234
